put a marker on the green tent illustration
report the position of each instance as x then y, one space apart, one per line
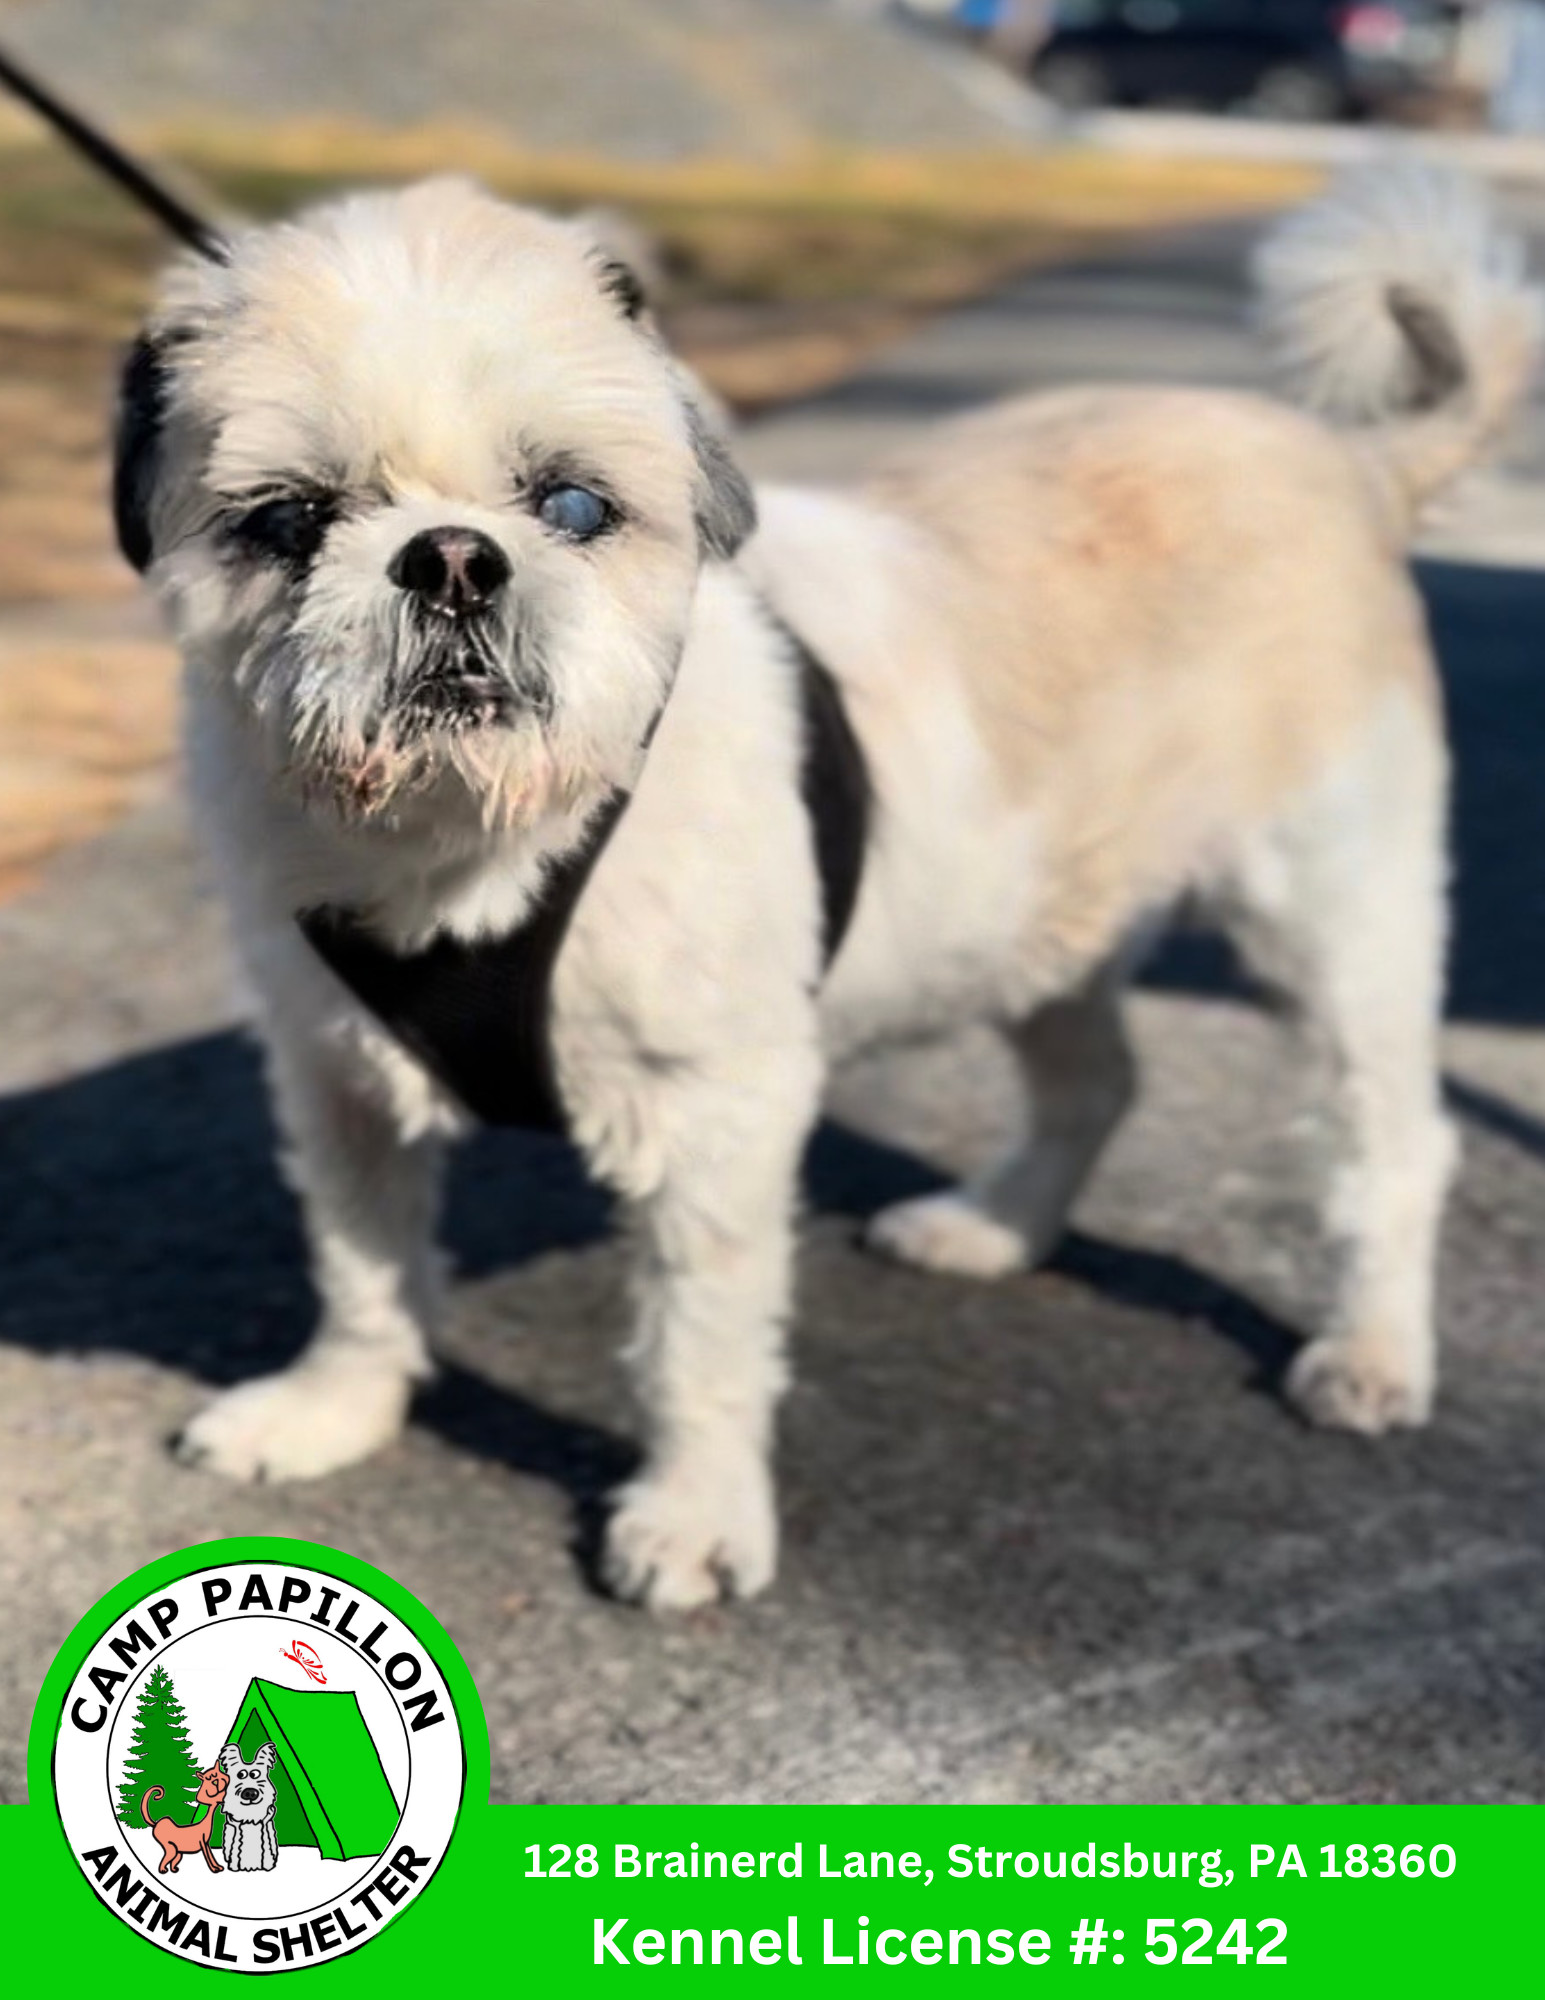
332 1792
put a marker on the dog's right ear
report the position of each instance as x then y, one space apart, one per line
142 401
229 1758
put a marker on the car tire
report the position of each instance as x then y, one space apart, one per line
1072 81
1296 94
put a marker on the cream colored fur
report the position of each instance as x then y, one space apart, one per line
1103 649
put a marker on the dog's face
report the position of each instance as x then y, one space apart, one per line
418 481
250 1793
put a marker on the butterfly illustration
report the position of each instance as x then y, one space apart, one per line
306 1659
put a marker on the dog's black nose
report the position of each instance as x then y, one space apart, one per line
249 1795
454 571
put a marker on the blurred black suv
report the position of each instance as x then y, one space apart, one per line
1291 59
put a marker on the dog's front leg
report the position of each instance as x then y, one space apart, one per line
713 1286
369 1194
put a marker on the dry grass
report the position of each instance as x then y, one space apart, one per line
85 729
774 281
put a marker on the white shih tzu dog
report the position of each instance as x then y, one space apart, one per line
541 790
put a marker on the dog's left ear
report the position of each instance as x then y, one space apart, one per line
627 267
264 1760
229 1758
724 503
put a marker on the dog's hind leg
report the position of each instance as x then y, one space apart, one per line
369 1187
1342 907
1080 1078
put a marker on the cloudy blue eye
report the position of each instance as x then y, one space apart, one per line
574 511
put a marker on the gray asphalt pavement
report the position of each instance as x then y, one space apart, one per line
1055 1539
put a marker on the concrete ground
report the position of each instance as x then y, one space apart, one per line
1055 1539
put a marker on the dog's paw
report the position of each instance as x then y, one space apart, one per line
1355 1386
945 1232
674 1542
309 1420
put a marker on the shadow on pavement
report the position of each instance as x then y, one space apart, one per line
1157 1281
1488 625
146 1217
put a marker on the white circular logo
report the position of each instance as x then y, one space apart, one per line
259 1764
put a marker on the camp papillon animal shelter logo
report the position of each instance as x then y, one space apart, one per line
259 1753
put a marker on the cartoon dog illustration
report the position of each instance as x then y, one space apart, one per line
176 1841
250 1804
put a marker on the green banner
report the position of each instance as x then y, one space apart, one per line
1321 1899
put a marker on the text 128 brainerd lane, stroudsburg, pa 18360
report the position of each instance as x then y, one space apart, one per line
1205 1868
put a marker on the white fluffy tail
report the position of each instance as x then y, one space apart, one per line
1399 306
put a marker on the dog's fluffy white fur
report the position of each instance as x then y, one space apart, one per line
1103 649
249 1805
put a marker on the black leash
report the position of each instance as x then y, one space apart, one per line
109 158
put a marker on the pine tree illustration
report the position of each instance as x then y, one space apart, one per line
160 1753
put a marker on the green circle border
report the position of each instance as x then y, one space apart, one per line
88 1630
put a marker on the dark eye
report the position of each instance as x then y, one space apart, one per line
290 529
574 511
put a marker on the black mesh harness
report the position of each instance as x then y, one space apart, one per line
478 1015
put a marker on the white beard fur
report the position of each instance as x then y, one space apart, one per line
1102 650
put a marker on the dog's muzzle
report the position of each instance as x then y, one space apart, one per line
249 1795
457 693
454 672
